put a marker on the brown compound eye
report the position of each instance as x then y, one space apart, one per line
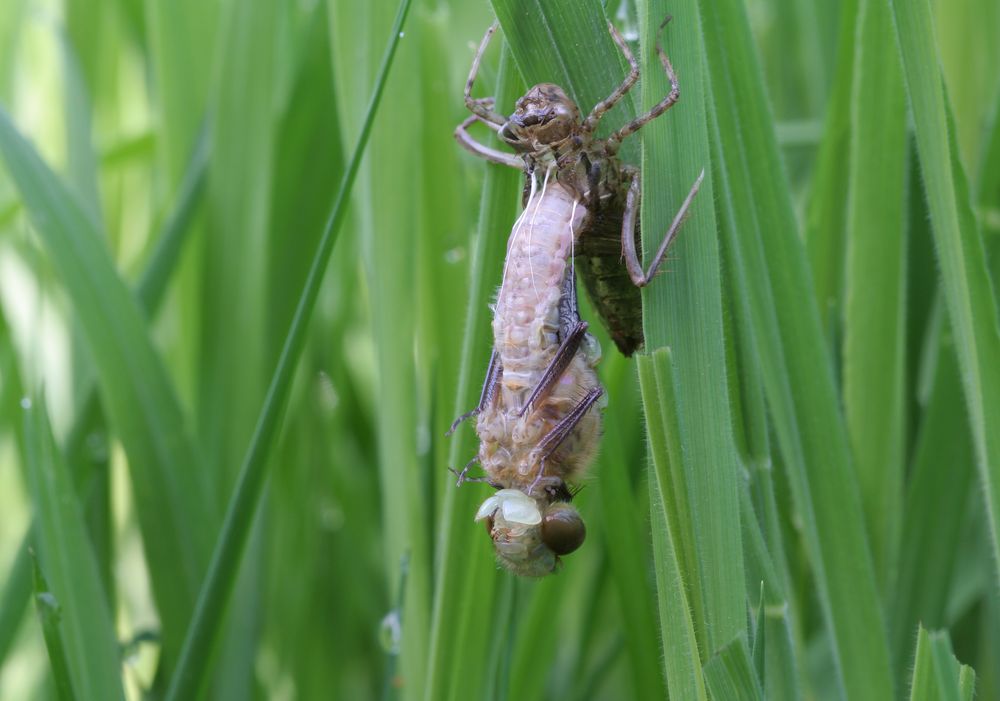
562 529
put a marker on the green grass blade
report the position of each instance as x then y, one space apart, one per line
88 632
205 626
780 669
684 310
622 515
462 547
173 233
173 503
773 276
874 317
183 38
681 657
232 361
937 675
968 290
826 210
50 615
16 591
81 159
730 674
941 482
391 272
231 372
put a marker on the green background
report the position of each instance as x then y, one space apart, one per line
798 488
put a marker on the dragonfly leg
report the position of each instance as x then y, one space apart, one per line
632 262
590 123
494 372
614 141
463 476
560 361
481 108
467 142
554 438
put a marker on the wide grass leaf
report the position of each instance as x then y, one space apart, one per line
874 318
87 632
683 310
671 534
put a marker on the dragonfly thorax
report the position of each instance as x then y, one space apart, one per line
543 118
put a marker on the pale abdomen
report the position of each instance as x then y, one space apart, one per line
527 333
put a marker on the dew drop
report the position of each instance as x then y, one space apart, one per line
391 632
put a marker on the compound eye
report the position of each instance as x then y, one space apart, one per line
562 529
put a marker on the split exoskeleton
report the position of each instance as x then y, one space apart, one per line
538 418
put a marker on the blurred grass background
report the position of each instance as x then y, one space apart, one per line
782 499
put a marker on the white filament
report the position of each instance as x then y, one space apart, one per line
513 237
572 242
531 228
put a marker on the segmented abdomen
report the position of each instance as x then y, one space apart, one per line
528 329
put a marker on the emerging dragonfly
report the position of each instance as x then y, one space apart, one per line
537 422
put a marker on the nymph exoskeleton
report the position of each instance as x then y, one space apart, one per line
546 131
537 422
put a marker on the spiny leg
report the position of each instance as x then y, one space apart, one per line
481 108
466 141
615 140
463 475
494 371
553 439
560 361
632 262
590 123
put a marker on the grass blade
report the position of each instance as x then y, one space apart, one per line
90 644
682 661
684 311
622 516
826 211
937 675
941 481
459 549
50 615
16 591
205 626
773 276
875 296
730 674
968 290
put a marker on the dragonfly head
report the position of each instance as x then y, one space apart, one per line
529 534
544 117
